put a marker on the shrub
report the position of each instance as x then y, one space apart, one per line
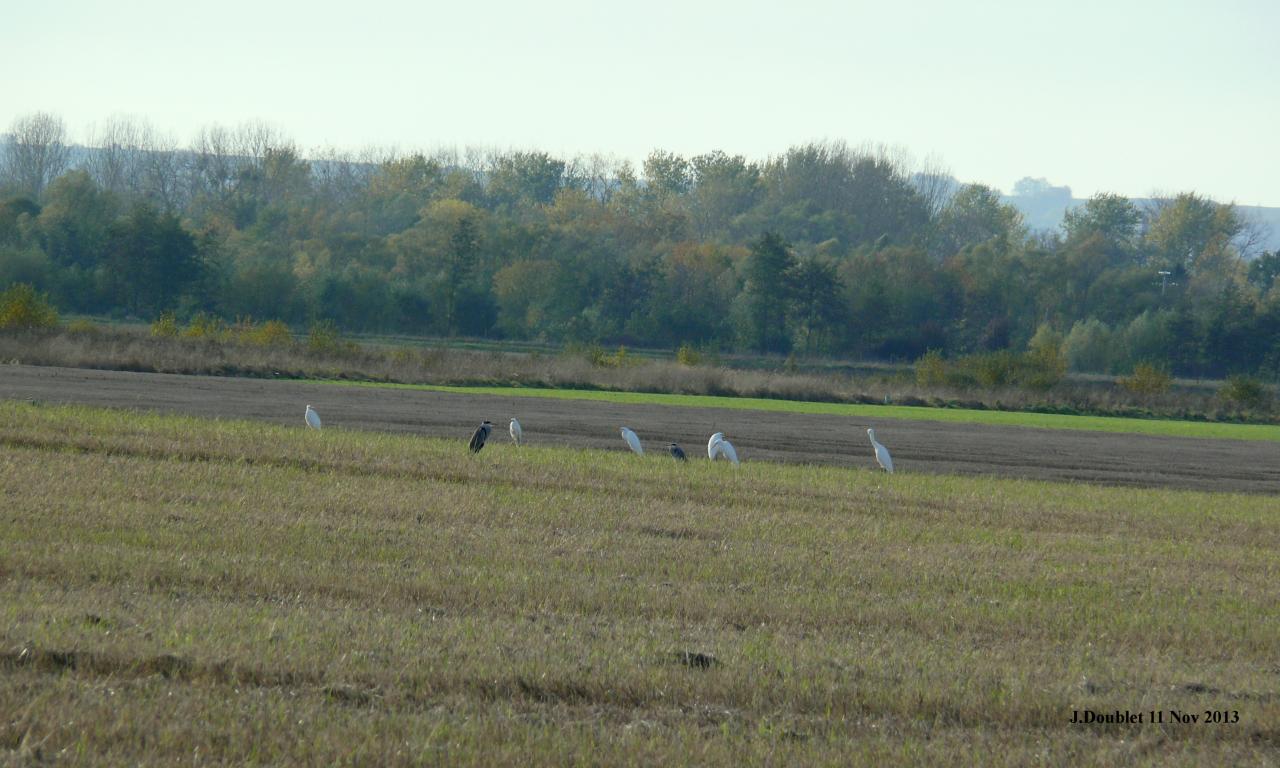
82 328
995 369
601 359
1041 368
165 326
22 307
961 375
242 329
275 333
1147 379
1043 372
592 353
204 326
324 337
620 359
272 333
1044 364
1147 337
1246 392
405 356
687 355
931 369
1089 346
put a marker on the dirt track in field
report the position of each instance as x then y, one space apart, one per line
917 446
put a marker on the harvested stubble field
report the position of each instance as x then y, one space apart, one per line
178 589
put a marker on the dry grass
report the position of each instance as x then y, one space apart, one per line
133 349
175 589
137 349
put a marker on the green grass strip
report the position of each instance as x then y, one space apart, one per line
1158 427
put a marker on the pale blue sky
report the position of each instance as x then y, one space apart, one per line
1130 97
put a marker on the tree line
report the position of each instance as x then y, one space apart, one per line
820 250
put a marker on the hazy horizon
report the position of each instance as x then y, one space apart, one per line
1149 97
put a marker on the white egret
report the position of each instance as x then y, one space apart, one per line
313 418
677 452
517 434
713 445
726 449
882 453
633 441
479 436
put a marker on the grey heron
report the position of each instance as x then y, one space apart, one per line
479 436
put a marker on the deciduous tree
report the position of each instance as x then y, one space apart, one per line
35 153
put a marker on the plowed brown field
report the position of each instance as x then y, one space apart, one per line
917 446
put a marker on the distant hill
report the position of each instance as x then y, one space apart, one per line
1043 206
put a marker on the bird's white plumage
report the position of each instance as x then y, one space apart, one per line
726 449
633 441
313 418
882 453
713 445
517 434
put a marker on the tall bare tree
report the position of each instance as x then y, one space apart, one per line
599 175
132 159
163 171
339 177
35 153
213 161
113 161
933 180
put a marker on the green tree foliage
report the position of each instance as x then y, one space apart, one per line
1264 270
821 249
29 265
1046 361
1231 344
75 221
898 301
397 192
444 252
152 259
1192 233
691 292
768 293
975 216
525 179
1089 346
626 295
667 174
1111 218
1156 336
17 215
816 309
461 256
820 192
725 188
